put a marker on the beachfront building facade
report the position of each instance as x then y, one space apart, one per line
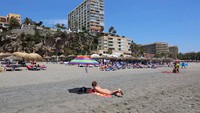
156 48
17 16
173 51
88 15
4 20
114 44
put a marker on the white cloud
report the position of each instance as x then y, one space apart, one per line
55 21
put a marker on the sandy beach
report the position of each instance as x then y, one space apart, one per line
145 90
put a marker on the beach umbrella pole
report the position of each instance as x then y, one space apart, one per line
86 70
85 61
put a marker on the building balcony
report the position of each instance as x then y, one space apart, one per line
96 28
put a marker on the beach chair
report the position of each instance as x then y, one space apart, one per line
7 68
43 67
33 68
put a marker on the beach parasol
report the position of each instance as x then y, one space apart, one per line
47 57
94 56
62 57
84 60
54 56
72 56
2 55
22 55
35 56
18 54
15 58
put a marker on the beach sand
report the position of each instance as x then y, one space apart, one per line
145 90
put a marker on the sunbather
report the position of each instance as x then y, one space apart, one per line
106 91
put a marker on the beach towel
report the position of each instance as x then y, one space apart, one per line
168 72
99 94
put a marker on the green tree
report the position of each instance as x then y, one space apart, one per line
13 23
110 30
60 26
134 48
137 50
27 21
39 23
114 32
110 51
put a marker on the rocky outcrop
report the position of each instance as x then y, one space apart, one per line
17 40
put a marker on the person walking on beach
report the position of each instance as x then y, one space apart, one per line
183 65
176 67
98 89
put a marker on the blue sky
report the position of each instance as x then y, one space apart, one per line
176 22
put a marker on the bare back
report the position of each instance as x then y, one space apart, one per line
101 90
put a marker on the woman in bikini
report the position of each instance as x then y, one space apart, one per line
98 89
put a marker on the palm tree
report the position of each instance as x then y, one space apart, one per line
27 21
134 48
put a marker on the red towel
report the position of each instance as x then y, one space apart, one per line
168 72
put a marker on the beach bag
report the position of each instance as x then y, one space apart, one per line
83 90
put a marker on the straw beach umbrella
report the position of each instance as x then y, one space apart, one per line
71 56
94 56
62 57
22 55
47 57
35 56
54 57
15 58
2 55
18 54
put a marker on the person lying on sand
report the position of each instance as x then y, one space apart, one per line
98 89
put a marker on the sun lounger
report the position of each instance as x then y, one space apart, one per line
33 68
7 68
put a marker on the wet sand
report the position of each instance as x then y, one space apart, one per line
145 90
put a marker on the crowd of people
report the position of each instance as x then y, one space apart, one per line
10 65
116 65
35 67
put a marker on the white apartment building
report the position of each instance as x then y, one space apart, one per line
114 43
89 14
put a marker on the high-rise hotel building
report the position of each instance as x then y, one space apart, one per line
89 15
